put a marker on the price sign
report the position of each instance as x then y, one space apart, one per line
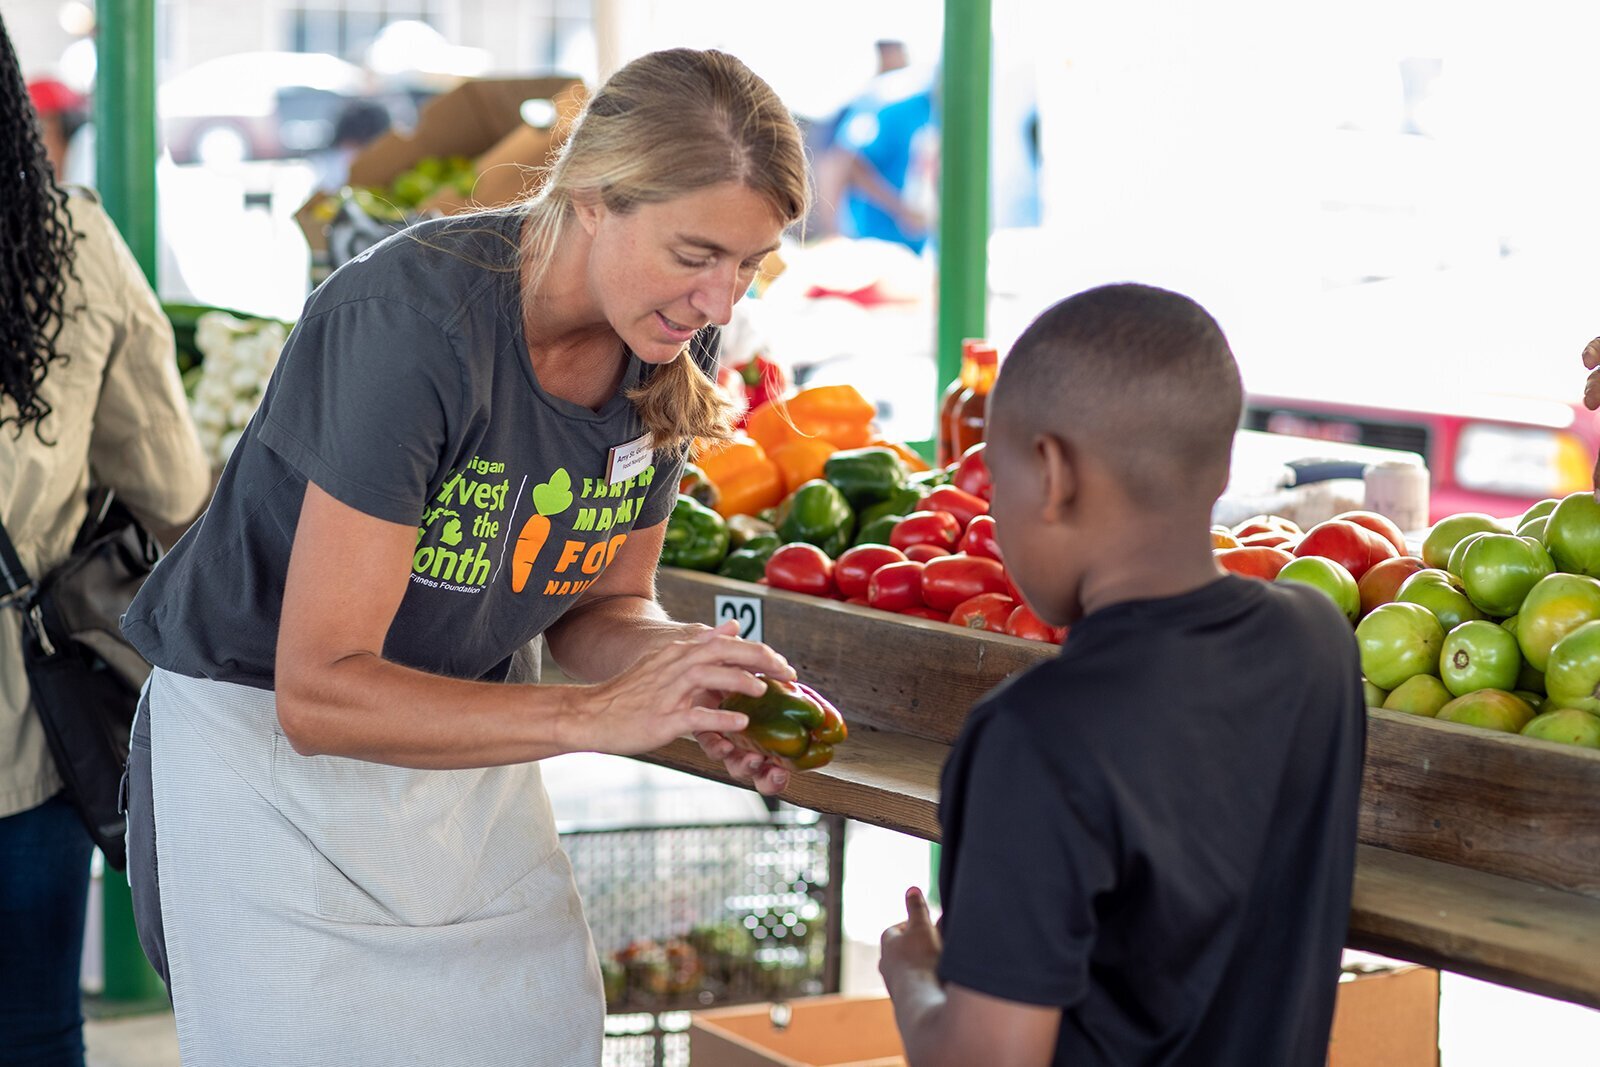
745 610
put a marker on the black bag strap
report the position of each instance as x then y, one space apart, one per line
14 580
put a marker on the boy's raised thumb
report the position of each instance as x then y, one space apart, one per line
916 907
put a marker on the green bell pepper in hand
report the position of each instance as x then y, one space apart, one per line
696 538
865 476
790 723
817 514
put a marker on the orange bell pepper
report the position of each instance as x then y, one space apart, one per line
742 472
801 461
914 463
838 414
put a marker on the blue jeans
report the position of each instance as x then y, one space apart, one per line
44 894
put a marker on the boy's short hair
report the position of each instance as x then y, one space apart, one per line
1141 376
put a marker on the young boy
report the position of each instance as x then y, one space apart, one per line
1149 840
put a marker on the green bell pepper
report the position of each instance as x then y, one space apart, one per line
902 501
931 479
742 529
790 722
696 538
865 476
748 564
878 530
817 514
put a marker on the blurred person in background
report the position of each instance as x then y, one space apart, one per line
61 113
88 389
359 123
881 151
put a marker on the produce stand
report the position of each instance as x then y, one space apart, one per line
1479 854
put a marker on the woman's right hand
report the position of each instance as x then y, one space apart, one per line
672 691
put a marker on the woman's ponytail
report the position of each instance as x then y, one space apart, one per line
679 403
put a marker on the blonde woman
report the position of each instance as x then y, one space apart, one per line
472 439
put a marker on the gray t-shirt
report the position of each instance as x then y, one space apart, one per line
406 392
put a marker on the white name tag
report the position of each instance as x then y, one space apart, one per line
629 459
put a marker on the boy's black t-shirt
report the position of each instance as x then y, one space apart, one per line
1155 831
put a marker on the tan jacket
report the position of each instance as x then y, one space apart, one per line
119 412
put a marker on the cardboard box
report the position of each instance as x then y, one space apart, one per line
1384 1017
829 1031
481 119
1387 1017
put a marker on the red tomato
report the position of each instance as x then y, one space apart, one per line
931 614
979 538
1379 585
1270 539
972 473
1266 524
1023 623
858 601
896 586
1259 561
949 580
986 611
1381 525
926 528
924 553
1354 547
801 568
958 502
854 566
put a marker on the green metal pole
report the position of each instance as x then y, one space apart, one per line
125 173
963 181
125 123
963 202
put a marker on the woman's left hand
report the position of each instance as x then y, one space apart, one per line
767 776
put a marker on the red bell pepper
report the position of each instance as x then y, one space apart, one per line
790 723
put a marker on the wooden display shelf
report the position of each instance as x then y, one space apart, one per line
1479 852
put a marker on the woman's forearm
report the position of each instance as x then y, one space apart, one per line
365 707
600 639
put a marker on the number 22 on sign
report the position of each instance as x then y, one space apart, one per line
745 610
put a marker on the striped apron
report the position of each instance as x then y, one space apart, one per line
320 910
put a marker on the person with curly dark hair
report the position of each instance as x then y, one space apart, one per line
89 390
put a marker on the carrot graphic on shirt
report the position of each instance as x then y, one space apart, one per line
549 498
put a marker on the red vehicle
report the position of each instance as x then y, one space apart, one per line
1478 370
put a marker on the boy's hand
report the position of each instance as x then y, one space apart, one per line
913 945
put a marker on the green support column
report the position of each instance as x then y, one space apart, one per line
125 123
125 174
963 202
963 181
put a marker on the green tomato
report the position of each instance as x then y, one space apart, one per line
1498 570
1398 641
1566 726
1488 709
1446 532
1459 553
1479 655
1572 535
1328 576
1572 675
1535 700
1441 593
1421 694
1554 607
1539 510
1372 695
1534 528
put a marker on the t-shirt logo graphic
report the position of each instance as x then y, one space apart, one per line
549 498
464 521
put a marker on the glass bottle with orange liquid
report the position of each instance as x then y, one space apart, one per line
963 413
